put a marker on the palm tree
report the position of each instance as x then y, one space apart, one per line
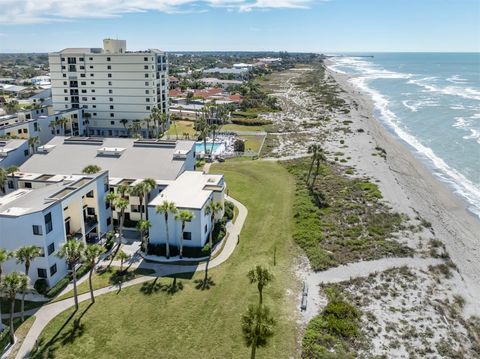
257 327
213 208
110 197
91 169
149 185
319 156
73 253
32 141
4 256
173 118
12 106
143 226
12 283
184 217
53 126
11 171
262 276
3 180
124 122
147 121
122 256
163 123
139 191
62 122
213 128
135 127
27 255
120 205
204 132
165 208
87 116
91 253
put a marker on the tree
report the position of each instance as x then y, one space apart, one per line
139 191
12 106
124 122
149 185
262 276
53 126
143 226
73 253
257 327
120 205
147 121
91 169
32 142
213 128
4 256
239 145
135 127
122 256
184 217
317 157
91 253
11 171
3 179
165 208
26 255
212 209
12 283
62 122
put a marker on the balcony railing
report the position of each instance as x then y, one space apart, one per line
90 223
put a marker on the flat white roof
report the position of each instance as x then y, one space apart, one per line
189 190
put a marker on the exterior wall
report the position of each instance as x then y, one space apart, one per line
110 86
15 157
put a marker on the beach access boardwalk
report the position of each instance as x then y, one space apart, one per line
47 312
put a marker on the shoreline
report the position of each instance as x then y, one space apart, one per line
410 187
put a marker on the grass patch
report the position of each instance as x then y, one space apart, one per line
106 277
183 127
159 319
18 305
252 142
342 220
241 128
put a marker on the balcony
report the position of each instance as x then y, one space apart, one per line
90 223
78 235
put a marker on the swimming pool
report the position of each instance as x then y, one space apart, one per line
217 147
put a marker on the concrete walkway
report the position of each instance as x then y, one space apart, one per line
46 313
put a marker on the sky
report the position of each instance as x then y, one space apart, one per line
323 26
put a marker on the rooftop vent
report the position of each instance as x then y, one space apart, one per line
83 141
155 143
45 148
110 151
180 154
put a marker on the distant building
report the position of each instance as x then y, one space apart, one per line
238 73
212 81
110 83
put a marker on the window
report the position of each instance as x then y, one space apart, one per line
147 99
206 229
92 82
145 59
25 153
109 75
84 91
145 67
90 194
90 211
109 83
82 75
25 130
63 58
107 204
81 59
65 83
108 58
109 67
93 90
51 248
90 58
94 106
66 98
48 222
53 270
94 98
111 107
146 75
109 221
187 236
112 122
91 75
84 99
112 115
65 91
147 92
110 99
83 83
19 131
91 66
37 230
82 67
147 108
64 75
110 91
42 273
146 83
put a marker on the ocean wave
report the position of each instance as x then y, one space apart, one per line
474 135
465 92
362 67
456 79
414 106
459 183
475 116
460 122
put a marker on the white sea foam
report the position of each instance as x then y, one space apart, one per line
476 116
465 92
461 185
474 135
457 107
456 79
414 106
460 122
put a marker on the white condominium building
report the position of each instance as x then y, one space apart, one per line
45 211
113 85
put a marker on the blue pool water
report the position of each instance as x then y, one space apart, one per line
199 148
432 102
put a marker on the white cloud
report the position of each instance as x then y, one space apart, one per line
45 11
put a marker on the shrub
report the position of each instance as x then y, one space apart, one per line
239 146
41 286
250 121
229 210
4 338
62 283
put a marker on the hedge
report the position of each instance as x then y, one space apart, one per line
249 121
62 283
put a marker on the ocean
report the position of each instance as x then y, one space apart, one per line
431 101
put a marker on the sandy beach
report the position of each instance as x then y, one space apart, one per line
409 186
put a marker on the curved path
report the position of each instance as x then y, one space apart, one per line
355 270
46 313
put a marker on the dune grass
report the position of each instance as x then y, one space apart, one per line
171 318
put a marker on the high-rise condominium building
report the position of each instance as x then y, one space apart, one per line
113 86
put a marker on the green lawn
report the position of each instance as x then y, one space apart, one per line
234 128
104 279
252 142
149 321
5 305
182 127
